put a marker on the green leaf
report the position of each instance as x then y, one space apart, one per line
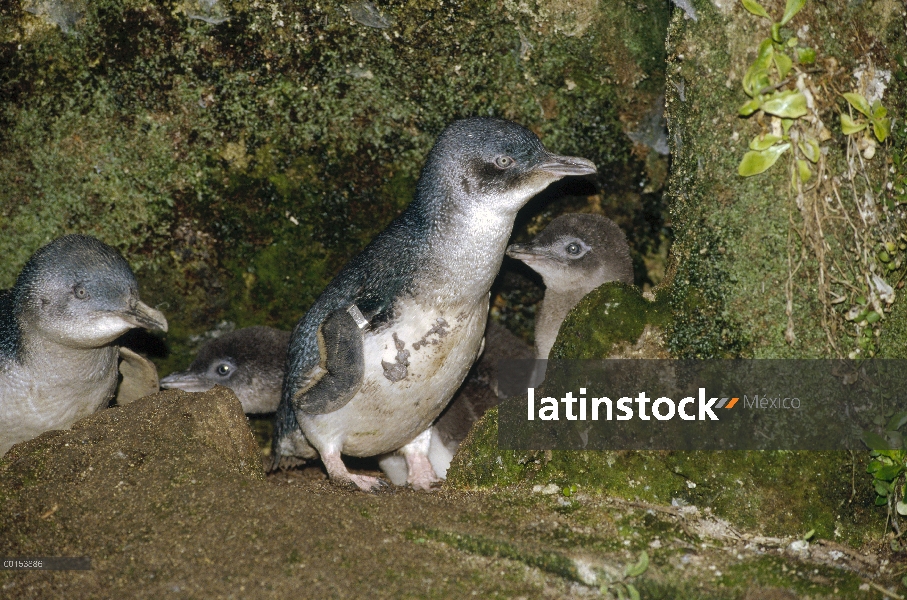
640 567
874 465
754 163
809 534
755 80
873 317
764 53
750 107
776 32
892 454
755 8
881 127
634 593
878 111
757 76
858 102
889 472
849 127
789 104
786 125
881 501
806 56
803 170
874 441
882 488
784 64
810 149
897 421
792 8
764 141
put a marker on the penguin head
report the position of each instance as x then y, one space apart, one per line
233 360
204 373
79 292
493 164
214 365
577 252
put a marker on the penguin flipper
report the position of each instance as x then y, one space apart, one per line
139 377
338 376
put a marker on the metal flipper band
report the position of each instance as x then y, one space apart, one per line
361 321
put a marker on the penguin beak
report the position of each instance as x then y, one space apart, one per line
142 315
563 166
186 381
525 252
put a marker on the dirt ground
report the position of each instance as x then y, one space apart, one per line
168 499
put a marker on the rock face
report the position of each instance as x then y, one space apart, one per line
767 267
172 432
133 462
253 147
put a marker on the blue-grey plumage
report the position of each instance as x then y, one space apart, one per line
73 298
392 337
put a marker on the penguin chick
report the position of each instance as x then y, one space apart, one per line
73 298
574 254
381 352
249 361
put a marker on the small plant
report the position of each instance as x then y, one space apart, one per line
889 470
623 588
876 121
763 83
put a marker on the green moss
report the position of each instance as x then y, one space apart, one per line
740 241
777 492
771 571
611 314
193 147
551 562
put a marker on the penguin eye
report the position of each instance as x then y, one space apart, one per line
503 162
223 369
80 292
573 248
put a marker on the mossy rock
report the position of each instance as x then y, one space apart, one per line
240 159
614 313
776 492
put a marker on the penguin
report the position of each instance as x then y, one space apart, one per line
249 361
58 362
381 352
574 254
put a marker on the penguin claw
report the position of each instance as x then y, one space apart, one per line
366 483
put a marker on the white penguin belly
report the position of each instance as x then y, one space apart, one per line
412 370
32 403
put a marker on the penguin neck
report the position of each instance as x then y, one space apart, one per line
463 251
56 361
554 309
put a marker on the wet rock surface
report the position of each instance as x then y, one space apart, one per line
167 498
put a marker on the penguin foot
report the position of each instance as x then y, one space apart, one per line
366 483
421 474
339 474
